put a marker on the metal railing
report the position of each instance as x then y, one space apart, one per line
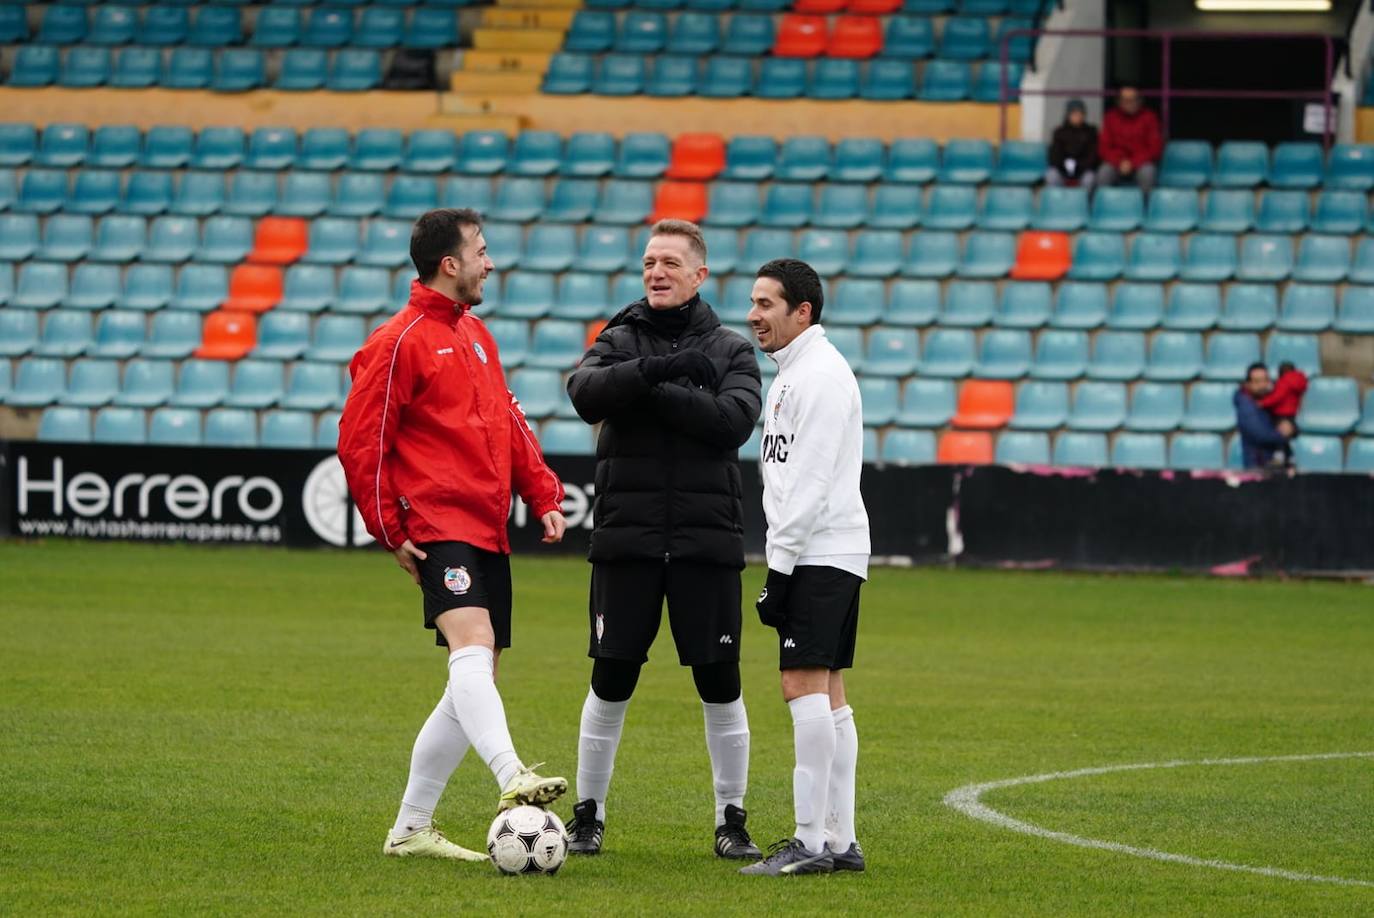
1166 92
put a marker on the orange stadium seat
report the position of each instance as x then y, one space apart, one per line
874 7
856 36
680 201
800 36
965 447
1041 256
697 156
279 240
818 6
254 288
984 404
594 329
228 335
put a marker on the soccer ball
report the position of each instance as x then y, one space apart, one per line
527 839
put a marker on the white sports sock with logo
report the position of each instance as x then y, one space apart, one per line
727 740
813 737
839 822
439 747
477 705
597 741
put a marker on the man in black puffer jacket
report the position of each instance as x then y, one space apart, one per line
676 395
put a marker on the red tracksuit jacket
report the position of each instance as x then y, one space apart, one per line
1286 398
431 439
1134 137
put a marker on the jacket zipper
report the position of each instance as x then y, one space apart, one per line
668 531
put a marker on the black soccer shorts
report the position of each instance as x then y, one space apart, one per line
822 612
457 575
626 608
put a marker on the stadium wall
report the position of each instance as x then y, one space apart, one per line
1223 523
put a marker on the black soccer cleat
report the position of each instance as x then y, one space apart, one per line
585 830
851 858
732 838
789 857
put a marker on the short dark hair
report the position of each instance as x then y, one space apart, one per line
800 284
1286 367
1257 365
439 233
684 228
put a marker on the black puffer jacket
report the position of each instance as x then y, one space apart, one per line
667 460
1074 143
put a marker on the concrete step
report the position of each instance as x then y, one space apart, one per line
505 61
498 17
540 4
485 39
500 83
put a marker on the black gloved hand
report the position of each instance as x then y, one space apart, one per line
693 364
772 601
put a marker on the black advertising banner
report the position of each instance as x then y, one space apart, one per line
987 515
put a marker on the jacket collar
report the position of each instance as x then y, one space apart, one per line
435 305
786 356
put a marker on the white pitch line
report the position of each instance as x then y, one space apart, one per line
967 800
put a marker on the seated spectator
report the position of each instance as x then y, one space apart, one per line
1261 444
1073 149
1130 142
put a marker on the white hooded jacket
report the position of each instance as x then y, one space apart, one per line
811 458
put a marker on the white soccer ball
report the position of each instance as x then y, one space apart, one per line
527 839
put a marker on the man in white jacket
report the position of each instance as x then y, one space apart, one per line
817 548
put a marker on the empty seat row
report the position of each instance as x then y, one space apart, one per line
751 35
122 238
1218 257
749 158
1187 451
914 7
225 70
223 427
937 80
215 26
1246 164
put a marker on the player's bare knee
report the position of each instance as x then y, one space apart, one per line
837 699
805 680
467 627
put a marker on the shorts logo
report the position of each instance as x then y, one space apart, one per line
481 354
458 580
789 644
600 626
763 595
726 639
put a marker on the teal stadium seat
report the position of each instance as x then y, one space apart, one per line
1303 351
364 291
171 239
568 74
282 335
147 383
927 403
386 244
118 334
18 144
307 288
1080 304
605 250
336 338
892 352
1005 208
948 353
201 287
694 33
895 207
379 150
1313 453
1362 267
857 159
1282 212
430 151
1228 211
1062 210
287 430
912 302
1209 257
63 25
556 344
1004 354
876 253
1308 308
1296 164
38 382
527 295
43 285
1175 356
945 81
1117 210
175 427
1193 307
908 38
231 427
65 425
327 431
42 191
912 160
323 149
239 70
1350 166
91 383
1153 257
1322 259
432 28
1356 315
119 425
1210 407
1249 307
1265 258
327 27
1139 451
18 236
1186 164
931 254
66 237
1196 451
1339 212
1172 210
1241 164
964 38
987 86
1331 406
198 194
18 332
786 204
726 77
566 438
1099 406
163 25
950 207
966 162
412 195
94 191
14 25
174 334
908 447
723 245
137 68
855 302
1136 306
146 193
1024 304
1080 449
1022 447
536 153
1117 355
1156 407
1040 406
888 80
841 206
312 387
1228 355
987 254
825 250
34 66
581 296
1359 457
878 396
93 286
1060 355
62 146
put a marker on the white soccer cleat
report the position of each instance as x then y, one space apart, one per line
428 842
530 789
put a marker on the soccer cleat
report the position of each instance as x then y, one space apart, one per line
585 830
852 858
790 858
732 838
529 789
427 842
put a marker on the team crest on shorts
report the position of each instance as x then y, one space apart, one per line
481 354
457 579
600 626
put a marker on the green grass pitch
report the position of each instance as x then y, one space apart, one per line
190 730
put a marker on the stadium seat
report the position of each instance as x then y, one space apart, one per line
1193 307
381 150
34 66
65 425
568 74
1282 212
323 149
1362 266
892 352
1322 259
803 159
38 381
1339 212
680 201
619 75
386 244
518 200
287 430
118 334
1331 406
1004 354
1209 257
1005 208
1156 407
911 160
357 194
966 162
137 68
841 206
1196 451
527 295
985 404
362 291
175 427
231 427
1209 407
431 27
256 384
14 25
1307 307
878 397
1019 162
987 86
945 81
1186 164
1228 355
225 240
1175 356
43 285
1022 448
277 27
894 206
855 302
171 239
888 80
147 193
825 250
800 35
18 332
1139 451
190 68
201 287
93 287
908 447
1303 351
987 254
1117 355
174 334
282 335
1023 304
1137 306
858 37
94 191
1099 406
336 338
198 194
1116 210
1172 210
228 335
62 146
1296 165
66 237
1040 406
876 253
965 447
950 207
560 437
926 402
1350 166
1097 256
42 191
1062 209
412 195
430 151
1359 457
1153 257
1313 453
556 344
641 32
18 144
312 387
1060 355
18 236
857 160
1080 449
582 296
120 425
948 353
604 249
254 288
238 70
1356 315
1241 164
913 303
1228 212
931 254
91 383
63 25
1265 258
965 38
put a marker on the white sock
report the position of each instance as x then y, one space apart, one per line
439 748
839 822
477 705
602 722
813 736
727 739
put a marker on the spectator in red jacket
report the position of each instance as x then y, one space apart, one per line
433 443
1129 143
1285 400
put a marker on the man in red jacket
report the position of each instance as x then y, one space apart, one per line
432 443
1129 143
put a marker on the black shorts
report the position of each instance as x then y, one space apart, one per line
457 575
627 605
822 619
